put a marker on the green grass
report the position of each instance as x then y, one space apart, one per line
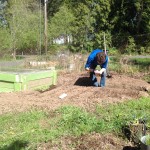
116 116
27 129
23 127
131 66
143 62
143 65
76 121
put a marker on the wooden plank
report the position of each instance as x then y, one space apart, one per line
4 84
38 75
25 81
39 83
6 90
7 77
54 77
17 86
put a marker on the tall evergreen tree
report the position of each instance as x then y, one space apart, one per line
61 23
90 24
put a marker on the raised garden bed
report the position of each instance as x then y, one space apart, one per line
11 81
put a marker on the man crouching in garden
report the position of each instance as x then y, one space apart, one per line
97 57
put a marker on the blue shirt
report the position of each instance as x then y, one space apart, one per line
92 62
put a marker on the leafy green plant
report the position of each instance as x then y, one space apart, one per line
131 45
76 121
113 51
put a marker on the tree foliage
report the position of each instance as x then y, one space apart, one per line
23 19
125 23
4 41
60 24
130 19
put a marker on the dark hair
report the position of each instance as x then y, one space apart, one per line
100 57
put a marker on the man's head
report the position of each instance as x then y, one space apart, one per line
101 57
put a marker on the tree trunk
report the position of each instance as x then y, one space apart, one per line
140 17
14 54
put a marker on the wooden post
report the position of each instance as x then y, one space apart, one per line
104 43
45 32
40 43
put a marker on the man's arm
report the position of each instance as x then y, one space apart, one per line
105 64
89 62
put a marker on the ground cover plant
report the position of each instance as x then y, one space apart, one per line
28 129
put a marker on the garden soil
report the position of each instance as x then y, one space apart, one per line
79 92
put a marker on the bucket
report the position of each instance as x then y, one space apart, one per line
143 144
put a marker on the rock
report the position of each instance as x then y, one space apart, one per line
147 88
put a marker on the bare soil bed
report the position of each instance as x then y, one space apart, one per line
80 93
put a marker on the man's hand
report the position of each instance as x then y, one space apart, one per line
102 70
99 72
